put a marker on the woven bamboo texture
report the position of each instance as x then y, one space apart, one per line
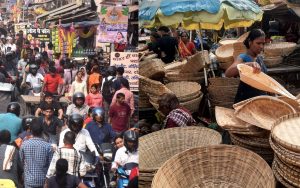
215 166
174 66
280 178
151 86
225 53
185 91
286 175
294 103
192 105
225 65
273 61
263 111
279 49
224 81
285 131
144 100
158 147
152 69
222 95
261 81
196 63
289 157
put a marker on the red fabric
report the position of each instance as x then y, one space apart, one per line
94 100
190 46
134 173
87 120
170 123
119 115
51 83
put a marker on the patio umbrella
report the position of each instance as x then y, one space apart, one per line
199 14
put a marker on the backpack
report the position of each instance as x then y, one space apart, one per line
108 90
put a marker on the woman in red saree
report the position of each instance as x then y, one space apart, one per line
186 47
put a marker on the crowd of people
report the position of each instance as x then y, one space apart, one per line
48 146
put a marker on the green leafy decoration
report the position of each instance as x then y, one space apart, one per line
103 10
125 11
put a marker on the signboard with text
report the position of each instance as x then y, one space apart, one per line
128 60
40 34
113 25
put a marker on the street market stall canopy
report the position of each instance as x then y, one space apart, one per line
199 14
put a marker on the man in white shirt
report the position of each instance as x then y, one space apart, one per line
34 79
9 46
83 139
22 64
129 152
78 105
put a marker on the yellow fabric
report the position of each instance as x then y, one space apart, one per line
6 183
227 16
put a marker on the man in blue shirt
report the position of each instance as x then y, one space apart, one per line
100 132
11 120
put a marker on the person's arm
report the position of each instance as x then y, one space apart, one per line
132 104
114 99
60 113
232 71
72 90
90 144
61 139
52 167
110 114
37 112
69 110
82 185
85 90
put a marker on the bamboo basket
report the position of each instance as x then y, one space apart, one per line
273 61
222 93
279 49
224 81
151 86
225 53
184 91
262 81
152 69
174 66
227 41
285 131
196 63
225 65
192 105
215 166
188 79
263 111
156 148
144 100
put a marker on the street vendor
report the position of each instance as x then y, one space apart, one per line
254 44
176 115
185 46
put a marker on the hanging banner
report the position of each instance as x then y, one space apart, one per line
40 34
113 25
22 26
130 62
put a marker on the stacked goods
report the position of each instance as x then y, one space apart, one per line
152 88
275 51
196 63
222 91
215 166
176 66
285 142
250 122
244 134
152 68
176 76
144 100
229 50
156 148
188 93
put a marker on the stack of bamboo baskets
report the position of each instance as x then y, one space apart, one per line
274 52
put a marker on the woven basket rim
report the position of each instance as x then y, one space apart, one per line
279 178
282 142
190 88
255 142
286 176
261 81
196 62
255 118
214 151
179 131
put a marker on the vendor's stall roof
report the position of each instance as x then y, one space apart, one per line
82 24
280 11
65 10
55 10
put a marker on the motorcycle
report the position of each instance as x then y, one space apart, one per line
106 151
124 174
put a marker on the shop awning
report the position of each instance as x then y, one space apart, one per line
55 10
